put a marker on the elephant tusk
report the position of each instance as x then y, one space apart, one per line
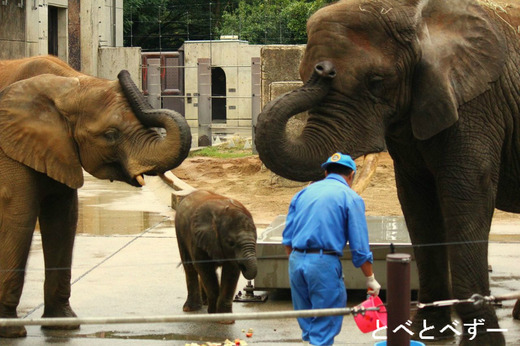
140 180
367 172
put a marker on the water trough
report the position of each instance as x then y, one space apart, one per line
387 234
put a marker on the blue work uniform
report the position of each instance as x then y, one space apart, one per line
321 219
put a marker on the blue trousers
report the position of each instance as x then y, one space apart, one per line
317 283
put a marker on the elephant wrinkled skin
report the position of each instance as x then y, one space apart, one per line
55 122
214 231
436 83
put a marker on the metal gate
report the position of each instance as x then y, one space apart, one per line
163 79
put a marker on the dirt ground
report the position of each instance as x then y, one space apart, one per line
266 195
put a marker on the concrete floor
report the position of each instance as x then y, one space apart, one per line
126 264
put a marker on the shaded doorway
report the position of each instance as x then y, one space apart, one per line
57 32
53 31
218 93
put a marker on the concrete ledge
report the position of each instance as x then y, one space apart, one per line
179 187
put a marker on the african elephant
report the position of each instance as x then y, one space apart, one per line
214 231
436 83
55 122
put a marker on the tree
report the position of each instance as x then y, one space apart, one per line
160 25
165 24
269 21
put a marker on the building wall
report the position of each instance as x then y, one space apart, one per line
234 57
280 64
93 25
111 60
12 30
111 36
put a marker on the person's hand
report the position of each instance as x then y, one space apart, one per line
373 286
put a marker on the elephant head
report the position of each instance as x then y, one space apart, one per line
371 65
225 230
58 123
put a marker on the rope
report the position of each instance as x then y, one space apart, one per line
281 256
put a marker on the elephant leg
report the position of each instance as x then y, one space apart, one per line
516 310
468 205
425 225
468 257
15 242
209 279
18 212
194 300
228 285
203 294
58 221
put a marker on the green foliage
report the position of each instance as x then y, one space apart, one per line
270 21
222 152
161 25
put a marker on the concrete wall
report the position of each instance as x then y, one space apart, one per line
90 19
12 30
280 64
92 24
112 12
234 57
112 60
280 75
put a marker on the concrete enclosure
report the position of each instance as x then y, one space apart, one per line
218 91
220 86
76 31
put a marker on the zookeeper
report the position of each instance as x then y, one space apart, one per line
321 219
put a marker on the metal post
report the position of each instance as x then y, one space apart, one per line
204 104
256 88
398 298
153 83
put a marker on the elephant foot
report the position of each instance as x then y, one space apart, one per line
480 326
516 310
13 332
434 324
226 322
62 327
56 312
191 307
483 339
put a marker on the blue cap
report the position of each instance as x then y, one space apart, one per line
340 159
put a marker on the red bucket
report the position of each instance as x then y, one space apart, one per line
367 321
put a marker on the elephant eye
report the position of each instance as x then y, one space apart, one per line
231 242
111 135
376 86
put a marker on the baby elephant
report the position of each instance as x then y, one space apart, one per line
212 231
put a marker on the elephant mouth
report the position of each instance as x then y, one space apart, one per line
137 181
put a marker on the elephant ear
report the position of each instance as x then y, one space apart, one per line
33 130
462 53
205 228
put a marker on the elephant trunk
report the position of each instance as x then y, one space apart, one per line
175 146
306 152
248 263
